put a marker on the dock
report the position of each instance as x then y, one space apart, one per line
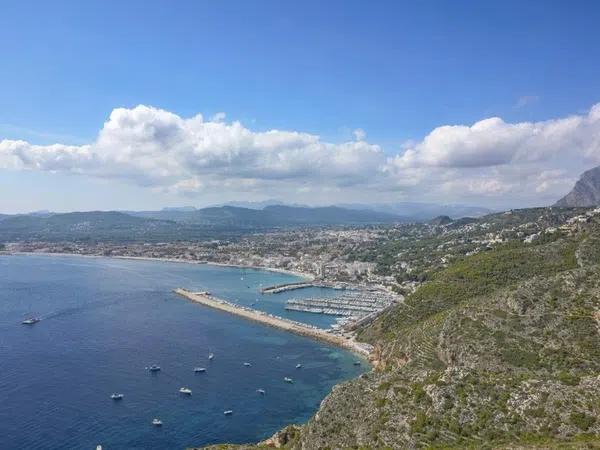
356 304
285 287
345 341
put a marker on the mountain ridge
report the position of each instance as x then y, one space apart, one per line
586 191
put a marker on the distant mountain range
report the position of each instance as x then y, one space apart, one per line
586 191
422 211
178 223
188 222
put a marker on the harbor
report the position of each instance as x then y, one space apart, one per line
342 340
353 304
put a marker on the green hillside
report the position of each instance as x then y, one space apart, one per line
498 350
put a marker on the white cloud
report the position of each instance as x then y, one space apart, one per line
523 162
359 134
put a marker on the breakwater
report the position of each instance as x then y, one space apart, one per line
345 341
285 287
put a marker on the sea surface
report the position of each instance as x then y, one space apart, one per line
106 320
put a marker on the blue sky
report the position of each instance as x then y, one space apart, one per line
396 70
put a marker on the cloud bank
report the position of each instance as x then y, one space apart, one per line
487 162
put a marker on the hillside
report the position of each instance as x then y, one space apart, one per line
97 225
500 349
586 191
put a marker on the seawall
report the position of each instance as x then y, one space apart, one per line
206 299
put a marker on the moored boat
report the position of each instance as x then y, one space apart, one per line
199 369
157 422
116 396
288 380
185 390
261 391
228 412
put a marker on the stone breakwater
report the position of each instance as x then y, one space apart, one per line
346 341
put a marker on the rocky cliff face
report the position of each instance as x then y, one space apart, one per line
586 191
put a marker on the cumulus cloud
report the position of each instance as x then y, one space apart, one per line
488 159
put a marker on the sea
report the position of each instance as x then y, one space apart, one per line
106 320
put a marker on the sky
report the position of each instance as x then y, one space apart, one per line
146 104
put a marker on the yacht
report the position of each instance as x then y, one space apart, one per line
154 368
117 396
157 422
211 356
247 364
228 412
298 366
288 380
186 391
261 391
199 369
357 363
31 321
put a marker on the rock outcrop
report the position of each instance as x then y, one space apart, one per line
586 191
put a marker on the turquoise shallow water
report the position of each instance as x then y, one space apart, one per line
105 320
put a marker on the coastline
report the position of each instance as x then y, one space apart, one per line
346 342
304 275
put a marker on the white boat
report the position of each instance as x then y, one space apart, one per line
157 422
185 390
261 391
228 412
117 396
288 380
31 321
199 369
298 366
247 364
211 356
154 368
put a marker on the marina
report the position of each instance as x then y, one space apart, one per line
354 304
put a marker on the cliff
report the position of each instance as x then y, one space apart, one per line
586 191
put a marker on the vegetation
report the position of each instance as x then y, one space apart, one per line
500 349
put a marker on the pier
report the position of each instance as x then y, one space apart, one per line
206 299
285 287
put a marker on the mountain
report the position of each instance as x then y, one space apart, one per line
420 212
255 205
440 220
270 216
329 215
177 223
96 225
586 191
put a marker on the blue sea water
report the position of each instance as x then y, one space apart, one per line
105 320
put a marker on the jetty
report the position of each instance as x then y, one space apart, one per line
286 287
302 329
